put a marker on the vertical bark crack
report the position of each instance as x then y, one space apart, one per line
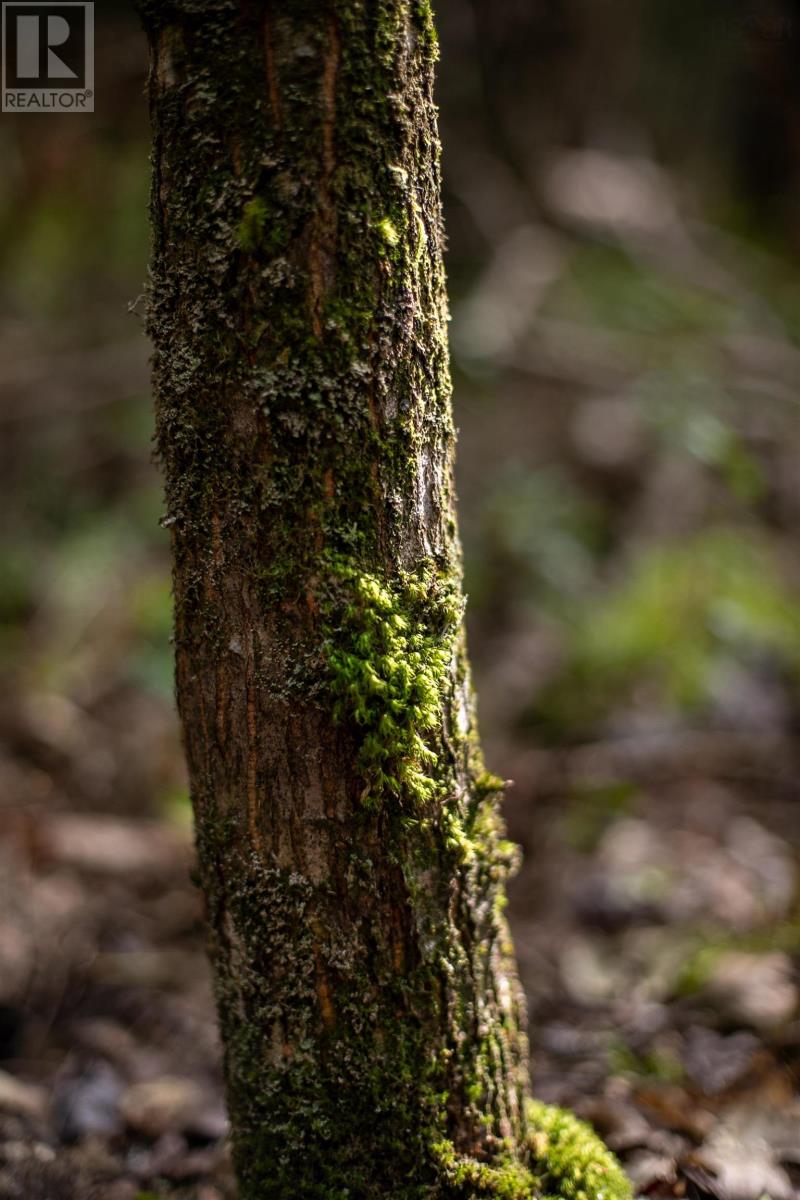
323 233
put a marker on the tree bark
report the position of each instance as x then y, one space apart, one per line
349 843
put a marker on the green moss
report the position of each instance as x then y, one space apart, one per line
389 658
565 1159
570 1160
467 1179
250 230
388 232
424 14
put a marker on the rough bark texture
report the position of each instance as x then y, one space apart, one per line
349 844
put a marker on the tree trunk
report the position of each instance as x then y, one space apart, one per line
350 849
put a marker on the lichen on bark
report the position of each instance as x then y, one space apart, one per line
350 847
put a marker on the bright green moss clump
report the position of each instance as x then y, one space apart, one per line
467 1179
388 231
569 1158
566 1161
389 655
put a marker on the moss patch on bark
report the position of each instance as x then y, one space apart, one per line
390 660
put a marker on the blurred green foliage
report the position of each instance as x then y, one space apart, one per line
538 537
605 286
672 620
593 808
80 238
85 602
659 1064
707 946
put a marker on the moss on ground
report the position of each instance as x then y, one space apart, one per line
566 1160
570 1160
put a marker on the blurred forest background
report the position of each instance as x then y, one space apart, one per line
623 210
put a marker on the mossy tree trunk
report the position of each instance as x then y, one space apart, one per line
350 849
